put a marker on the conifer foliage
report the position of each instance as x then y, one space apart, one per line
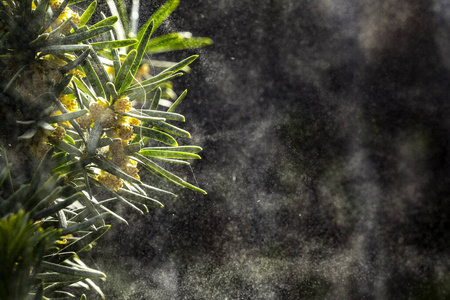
82 117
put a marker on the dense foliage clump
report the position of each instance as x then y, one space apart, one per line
82 116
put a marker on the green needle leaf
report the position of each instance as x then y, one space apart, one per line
67 147
88 13
56 207
75 63
113 44
155 135
155 101
153 167
86 240
56 49
94 137
177 102
139 55
93 79
107 21
80 226
28 134
141 90
163 114
176 41
182 64
168 154
143 117
80 36
159 16
87 273
169 128
124 71
67 116
188 149
142 199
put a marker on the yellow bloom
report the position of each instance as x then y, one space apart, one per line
117 153
132 171
126 132
122 105
133 121
107 118
69 102
103 114
58 134
110 180
85 121
96 110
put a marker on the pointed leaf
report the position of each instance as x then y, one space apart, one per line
159 16
71 271
176 44
155 100
75 63
154 79
80 226
189 149
67 147
93 79
172 161
143 117
124 71
153 167
67 116
177 102
56 207
107 21
113 44
80 36
138 198
55 15
155 135
28 134
140 91
56 49
140 53
86 240
182 64
161 114
169 128
4 173
168 154
87 13
39 13
94 137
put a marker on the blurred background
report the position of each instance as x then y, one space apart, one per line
325 128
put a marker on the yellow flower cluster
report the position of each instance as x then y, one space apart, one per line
110 180
69 101
122 128
122 105
105 115
65 15
58 134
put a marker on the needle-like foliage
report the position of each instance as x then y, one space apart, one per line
81 120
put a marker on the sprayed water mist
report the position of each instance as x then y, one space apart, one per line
324 158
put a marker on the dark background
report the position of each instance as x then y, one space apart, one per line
325 129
